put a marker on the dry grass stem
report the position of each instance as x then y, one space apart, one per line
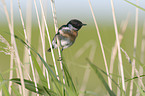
1 92
101 44
43 41
18 76
114 49
8 50
53 57
127 57
56 30
118 47
136 71
44 54
28 30
42 33
119 80
141 58
134 52
12 53
26 39
15 48
43 46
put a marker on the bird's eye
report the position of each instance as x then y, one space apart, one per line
78 24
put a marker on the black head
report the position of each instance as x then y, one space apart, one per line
76 23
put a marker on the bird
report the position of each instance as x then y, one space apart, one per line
67 34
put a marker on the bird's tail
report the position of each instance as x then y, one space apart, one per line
49 50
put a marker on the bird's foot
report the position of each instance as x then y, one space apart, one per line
61 49
60 59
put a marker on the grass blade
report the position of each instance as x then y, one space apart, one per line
4 88
15 91
139 62
69 79
134 78
101 44
142 92
40 73
108 76
118 46
31 86
135 5
57 83
111 93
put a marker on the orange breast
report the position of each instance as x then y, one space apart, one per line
72 35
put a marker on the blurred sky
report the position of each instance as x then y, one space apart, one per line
67 9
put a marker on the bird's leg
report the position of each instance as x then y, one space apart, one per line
61 49
60 59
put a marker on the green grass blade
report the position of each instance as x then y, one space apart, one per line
57 83
134 78
69 79
15 91
109 76
135 5
140 63
3 86
31 86
111 93
140 90
90 93
40 73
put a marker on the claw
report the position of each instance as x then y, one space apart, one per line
60 59
61 49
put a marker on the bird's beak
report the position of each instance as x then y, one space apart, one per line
84 24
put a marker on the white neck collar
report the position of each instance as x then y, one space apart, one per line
72 28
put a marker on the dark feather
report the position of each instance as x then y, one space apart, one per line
49 50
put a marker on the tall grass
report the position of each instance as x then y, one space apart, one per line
12 54
42 40
56 31
28 49
114 49
101 44
134 52
118 46
54 80
15 48
141 58
43 15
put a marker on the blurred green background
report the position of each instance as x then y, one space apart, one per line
79 9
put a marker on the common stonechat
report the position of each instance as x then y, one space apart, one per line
67 34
